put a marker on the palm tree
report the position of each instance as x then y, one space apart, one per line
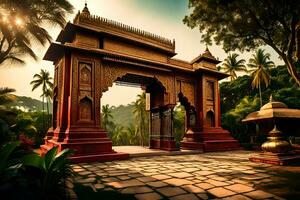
260 64
119 136
22 22
132 132
43 80
106 116
141 116
232 65
48 95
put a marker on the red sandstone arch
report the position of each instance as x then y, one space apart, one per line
92 52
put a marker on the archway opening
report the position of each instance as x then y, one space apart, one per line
123 109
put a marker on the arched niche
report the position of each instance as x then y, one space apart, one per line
85 74
85 109
210 118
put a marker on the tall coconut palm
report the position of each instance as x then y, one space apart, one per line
132 133
260 64
48 96
232 65
43 79
139 111
119 136
106 116
23 22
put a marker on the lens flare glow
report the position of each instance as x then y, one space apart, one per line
19 22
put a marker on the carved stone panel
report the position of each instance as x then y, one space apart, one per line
85 75
111 73
85 109
210 90
188 91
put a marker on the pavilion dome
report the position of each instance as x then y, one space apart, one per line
273 105
273 110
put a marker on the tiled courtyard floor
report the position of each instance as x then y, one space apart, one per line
222 175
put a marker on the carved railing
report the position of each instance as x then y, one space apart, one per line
101 21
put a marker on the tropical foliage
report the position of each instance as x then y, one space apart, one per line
238 99
43 80
26 175
22 23
260 65
248 24
232 65
133 132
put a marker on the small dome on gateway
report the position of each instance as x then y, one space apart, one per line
85 10
208 54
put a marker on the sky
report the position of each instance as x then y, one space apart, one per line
162 17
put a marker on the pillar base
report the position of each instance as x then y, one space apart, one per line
276 159
168 145
210 139
87 148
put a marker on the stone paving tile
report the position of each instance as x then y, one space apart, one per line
218 178
193 189
123 178
237 197
136 190
178 182
156 184
205 172
203 196
259 194
171 191
99 186
190 169
110 179
205 176
216 183
146 179
148 196
123 184
239 188
185 197
205 186
161 177
221 192
86 180
181 175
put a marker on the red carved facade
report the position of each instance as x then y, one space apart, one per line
92 53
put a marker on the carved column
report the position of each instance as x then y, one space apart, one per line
78 123
63 92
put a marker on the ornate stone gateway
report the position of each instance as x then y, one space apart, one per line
93 52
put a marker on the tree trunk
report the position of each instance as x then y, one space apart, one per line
260 99
48 113
43 107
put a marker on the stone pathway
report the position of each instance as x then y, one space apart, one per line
223 175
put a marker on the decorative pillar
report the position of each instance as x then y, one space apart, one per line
78 122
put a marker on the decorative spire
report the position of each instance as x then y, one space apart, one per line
206 48
85 10
207 53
